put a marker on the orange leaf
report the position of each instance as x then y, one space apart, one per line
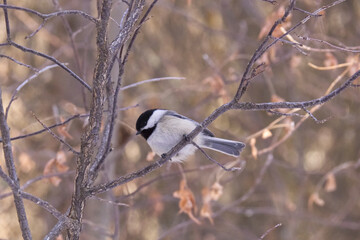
61 157
26 163
63 132
50 168
330 60
270 21
266 134
330 184
254 151
206 210
56 165
150 156
187 202
216 191
315 198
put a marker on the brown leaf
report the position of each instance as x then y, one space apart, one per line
72 108
59 237
315 199
266 134
61 157
56 165
157 203
355 65
50 168
63 132
276 98
26 163
216 191
206 210
217 86
330 184
150 156
254 151
330 60
269 22
187 202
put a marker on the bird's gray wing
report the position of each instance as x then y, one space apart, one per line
206 131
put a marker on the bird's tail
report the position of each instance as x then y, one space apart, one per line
232 148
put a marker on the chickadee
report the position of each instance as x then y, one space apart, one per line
163 129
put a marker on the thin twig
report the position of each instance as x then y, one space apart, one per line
45 16
33 180
54 60
56 136
151 80
346 49
10 165
216 162
18 62
270 230
13 97
50 127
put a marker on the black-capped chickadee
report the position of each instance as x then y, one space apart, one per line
163 129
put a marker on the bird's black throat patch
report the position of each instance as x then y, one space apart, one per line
147 132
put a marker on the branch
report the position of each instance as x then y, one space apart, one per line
10 164
18 62
151 80
54 60
290 105
46 16
13 97
56 136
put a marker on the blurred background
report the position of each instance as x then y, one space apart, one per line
297 172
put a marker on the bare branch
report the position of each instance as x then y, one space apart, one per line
151 80
10 164
13 97
18 62
270 230
56 136
51 15
54 60
216 162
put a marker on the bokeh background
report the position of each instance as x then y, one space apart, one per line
299 173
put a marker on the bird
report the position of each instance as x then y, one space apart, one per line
163 129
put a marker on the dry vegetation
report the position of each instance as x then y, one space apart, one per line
281 76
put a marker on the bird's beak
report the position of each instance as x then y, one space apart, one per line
138 132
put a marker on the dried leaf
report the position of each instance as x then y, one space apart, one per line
330 184
217 86
330 60
61 157
270 21
266 134
315 198
355 65
61 167
290 205
157 203
59 237
187 202
150 156
72 108
276 98
295 62
56 165
26 163
254 151
216 191
206 210
63 132
50 168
